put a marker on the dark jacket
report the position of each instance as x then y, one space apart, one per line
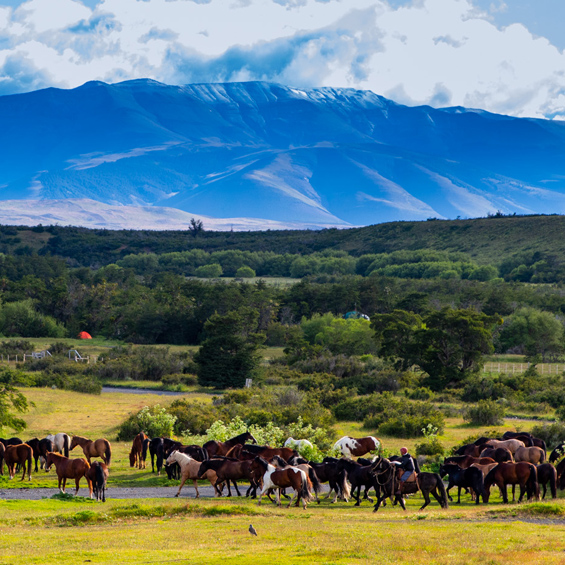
407 463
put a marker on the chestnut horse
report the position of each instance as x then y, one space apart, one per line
465 461
136 453
2 452
248 452
214 447
229 469
351 446
98 448
523 474
68 469
98 476
16 454
274 478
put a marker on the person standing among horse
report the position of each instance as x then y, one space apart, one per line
406 463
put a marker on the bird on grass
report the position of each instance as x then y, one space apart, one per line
252 530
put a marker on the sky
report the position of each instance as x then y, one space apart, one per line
504 56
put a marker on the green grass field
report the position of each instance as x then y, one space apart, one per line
211 531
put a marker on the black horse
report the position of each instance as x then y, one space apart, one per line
11 441
547 475
40 447
329 472
157 451
470 478
558 452
388 483
359 476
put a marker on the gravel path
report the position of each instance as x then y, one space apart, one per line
111 492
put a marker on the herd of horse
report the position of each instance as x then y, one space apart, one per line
54 450
515 459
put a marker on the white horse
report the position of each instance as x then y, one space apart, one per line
298 444
189 468
61 443
357 447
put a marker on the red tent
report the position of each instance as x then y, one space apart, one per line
84 335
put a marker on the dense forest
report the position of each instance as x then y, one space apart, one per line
161 287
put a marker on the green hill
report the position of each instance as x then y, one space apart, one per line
486 240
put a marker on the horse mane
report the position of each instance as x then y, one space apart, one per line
255 449
489 477
280 461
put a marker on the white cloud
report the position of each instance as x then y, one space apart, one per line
435 52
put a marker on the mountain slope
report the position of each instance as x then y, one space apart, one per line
258 150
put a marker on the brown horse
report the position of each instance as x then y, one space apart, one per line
98 474
465 461
523 474
470 449
535 455
228 469
274 478
16 454
136 453
357 447
98 448
68 469
249 452
2 452
214 447
499 454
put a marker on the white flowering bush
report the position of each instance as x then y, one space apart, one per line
268 434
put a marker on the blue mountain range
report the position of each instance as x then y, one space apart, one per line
260 150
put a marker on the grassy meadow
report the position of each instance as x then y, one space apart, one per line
215 531
212 531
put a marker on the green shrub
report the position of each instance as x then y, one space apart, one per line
431 446
485 413
405 426
485 388
212 271
245 272
420 393
177 379
192 417
552 434
155 421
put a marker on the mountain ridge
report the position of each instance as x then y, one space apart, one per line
322 156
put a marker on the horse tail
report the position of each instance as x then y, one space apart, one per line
442 491
316 485
345 488
304 490
553 483
66 444
108 453
204 454
533 485
543 456
29 460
